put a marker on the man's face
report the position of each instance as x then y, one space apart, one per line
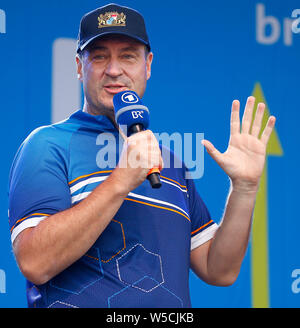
112 65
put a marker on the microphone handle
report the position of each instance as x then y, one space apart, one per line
154 178
154 174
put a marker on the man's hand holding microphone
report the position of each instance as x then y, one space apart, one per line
141 156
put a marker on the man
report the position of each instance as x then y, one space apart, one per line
85 237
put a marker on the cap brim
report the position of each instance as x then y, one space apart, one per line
113 33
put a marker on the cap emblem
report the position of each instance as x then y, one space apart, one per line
111 19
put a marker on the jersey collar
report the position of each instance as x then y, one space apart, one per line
101 122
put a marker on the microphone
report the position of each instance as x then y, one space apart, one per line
132 113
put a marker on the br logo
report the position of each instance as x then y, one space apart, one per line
137 113
129 98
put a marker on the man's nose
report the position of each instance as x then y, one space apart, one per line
113 68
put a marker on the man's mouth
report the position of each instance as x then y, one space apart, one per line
114 88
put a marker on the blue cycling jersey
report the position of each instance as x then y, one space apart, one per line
142 258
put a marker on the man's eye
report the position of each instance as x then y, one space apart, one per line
99 57
128 56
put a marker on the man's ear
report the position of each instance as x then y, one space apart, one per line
79 67
148 64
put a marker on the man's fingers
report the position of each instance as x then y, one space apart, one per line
268 130
213 152
235 117
258 120
247 117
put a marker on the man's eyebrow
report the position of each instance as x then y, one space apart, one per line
97 48
130 48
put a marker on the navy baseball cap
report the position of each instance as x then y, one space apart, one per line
112 19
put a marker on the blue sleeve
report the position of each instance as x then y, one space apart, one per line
203 226
38 182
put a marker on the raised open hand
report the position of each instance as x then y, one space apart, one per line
244 158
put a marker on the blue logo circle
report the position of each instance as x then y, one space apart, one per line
129 98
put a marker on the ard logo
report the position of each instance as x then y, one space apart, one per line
129 98
2 21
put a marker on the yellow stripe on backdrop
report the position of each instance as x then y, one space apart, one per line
259 242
